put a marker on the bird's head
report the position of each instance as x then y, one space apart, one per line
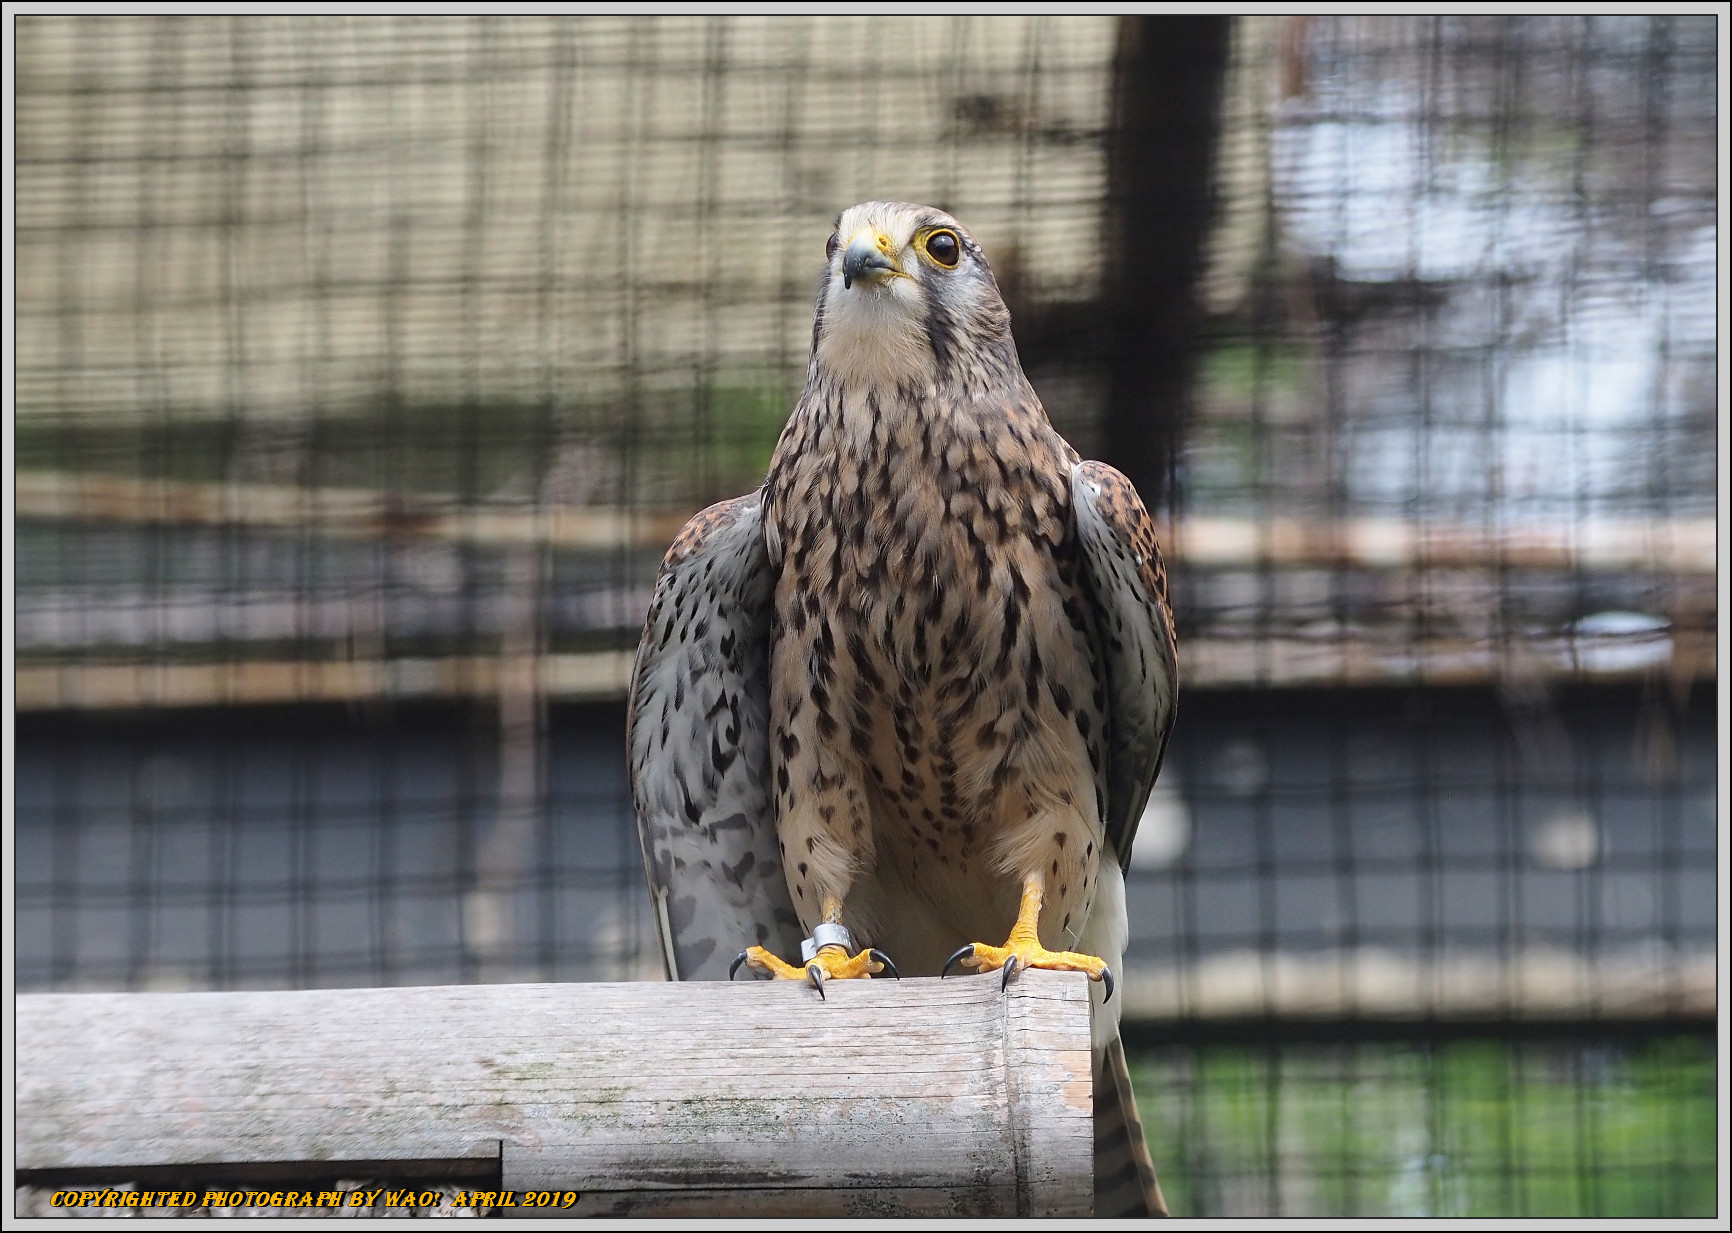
908 300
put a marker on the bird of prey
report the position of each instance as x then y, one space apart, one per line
902 708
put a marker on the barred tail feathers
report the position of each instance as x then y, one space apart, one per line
1125 1181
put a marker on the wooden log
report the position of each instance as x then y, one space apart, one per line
913 1097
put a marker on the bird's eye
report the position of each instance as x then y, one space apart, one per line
830 247
944 248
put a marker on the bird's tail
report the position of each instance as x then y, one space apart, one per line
1125 1181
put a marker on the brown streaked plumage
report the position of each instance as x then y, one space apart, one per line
921 684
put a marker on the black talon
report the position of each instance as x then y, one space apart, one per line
1107 980
735 965
1009 971
879 956
951 962
815 974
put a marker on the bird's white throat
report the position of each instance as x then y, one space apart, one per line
874 336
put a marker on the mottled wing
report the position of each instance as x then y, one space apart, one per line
1128 581
697 739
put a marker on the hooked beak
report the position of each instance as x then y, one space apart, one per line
866 259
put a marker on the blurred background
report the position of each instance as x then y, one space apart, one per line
365 367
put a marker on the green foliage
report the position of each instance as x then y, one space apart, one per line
1233 371
669 447
1468 1128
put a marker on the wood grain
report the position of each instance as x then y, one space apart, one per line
918 1096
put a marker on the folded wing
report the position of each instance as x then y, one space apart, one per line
1128 581
697 741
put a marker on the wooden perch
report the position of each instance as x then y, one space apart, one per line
913 1097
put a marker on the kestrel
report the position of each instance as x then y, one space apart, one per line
907 701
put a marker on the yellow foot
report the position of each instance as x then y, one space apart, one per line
1023 949
830 963
1025 952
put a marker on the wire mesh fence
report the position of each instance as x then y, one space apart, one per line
366 366
1500 1127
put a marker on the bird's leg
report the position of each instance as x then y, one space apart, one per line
827 955
1023 948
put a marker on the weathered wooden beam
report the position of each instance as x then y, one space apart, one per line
1258 659
1592 544
886 1097
1531 984
80 685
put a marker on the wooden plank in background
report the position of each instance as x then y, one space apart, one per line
1660 545
1208 663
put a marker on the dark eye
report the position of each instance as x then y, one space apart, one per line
830 247
944 248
